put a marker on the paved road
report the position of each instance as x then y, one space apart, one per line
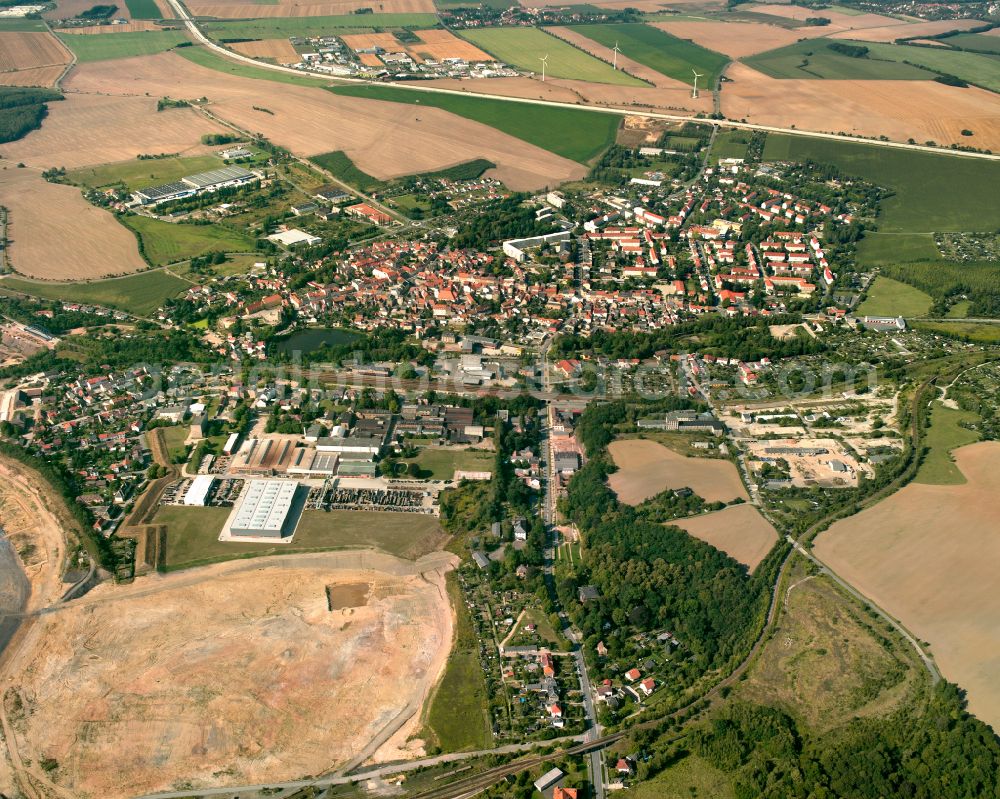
200 37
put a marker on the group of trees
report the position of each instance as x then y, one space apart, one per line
508 218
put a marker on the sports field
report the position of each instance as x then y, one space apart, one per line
932 192
283 27
167 242
524 47
106 46
139 294
657 49
572 133
813 58
888 297
138 174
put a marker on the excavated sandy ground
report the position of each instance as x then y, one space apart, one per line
928 555
383 139
232 674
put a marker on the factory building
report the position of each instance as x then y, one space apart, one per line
197 492
265 509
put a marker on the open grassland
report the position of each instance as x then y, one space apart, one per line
932 192
240 9
139 294
34 53
524 47
169 242
944 436
304 636
881 248
139 174
968 331
691 776
888 297
647 468
572 133
660 51
282 28
922 110
385 140
118 128
206 58
928 556
456 716
103 47
739 531
978 69
22 24
55 234
437 463
730 144
143 9
193 535
814 58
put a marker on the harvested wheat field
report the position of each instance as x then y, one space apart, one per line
909 30
441 44
67 9
240 9
278 50
928 556
31 59
55 234
737 39
210 676
838 19
383 139
646 468
739 531
136 26
118 128
923 110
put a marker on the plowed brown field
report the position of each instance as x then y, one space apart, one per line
738 39
923 110
55 234
280 50
40 76
928 556
383 139
908 30
739 531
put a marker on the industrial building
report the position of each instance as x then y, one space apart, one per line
265 509
197 493
199 183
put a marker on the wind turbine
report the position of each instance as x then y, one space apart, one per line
544 59
617 51
694 93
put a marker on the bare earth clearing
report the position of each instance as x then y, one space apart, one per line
739 531
55 234
928 555
279 50
240 9
383 139
118 128
892 32
211 676
647 468
899 109
737 39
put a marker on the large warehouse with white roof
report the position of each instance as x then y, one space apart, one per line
265 509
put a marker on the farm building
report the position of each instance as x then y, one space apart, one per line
264 509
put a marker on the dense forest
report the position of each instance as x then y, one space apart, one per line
946 283
22 110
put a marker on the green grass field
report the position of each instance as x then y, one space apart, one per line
882 248
167 243
980 333
143 9
140 294
932 192
944 435
206 58
174 438
730 144
576 134
106 46
658 50
456 717
193 533
975 41
22 24
982 70
138 174
690 777
341 166
888 297
440 464
813 58
523 47
283 27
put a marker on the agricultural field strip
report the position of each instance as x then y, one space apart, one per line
203 39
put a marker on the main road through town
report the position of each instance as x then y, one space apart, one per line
196 33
